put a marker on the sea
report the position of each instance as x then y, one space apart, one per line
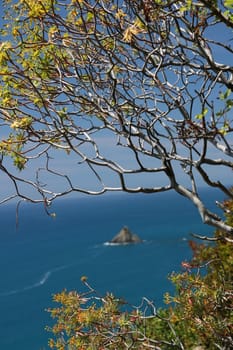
41 255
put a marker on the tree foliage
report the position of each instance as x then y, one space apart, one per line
152 77
198 316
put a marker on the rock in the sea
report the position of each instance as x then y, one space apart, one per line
125 237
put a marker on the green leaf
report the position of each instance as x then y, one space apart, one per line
225 95
90 16
62 113
202 115
19 162
228 3
229 103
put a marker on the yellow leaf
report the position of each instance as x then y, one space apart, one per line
120 14
21 123
129 32
139 24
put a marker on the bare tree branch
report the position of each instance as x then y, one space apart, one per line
152 78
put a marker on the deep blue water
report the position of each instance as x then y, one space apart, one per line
44 255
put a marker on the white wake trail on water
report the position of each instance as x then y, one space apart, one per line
38 284
48 274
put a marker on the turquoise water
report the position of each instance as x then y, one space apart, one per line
44 255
